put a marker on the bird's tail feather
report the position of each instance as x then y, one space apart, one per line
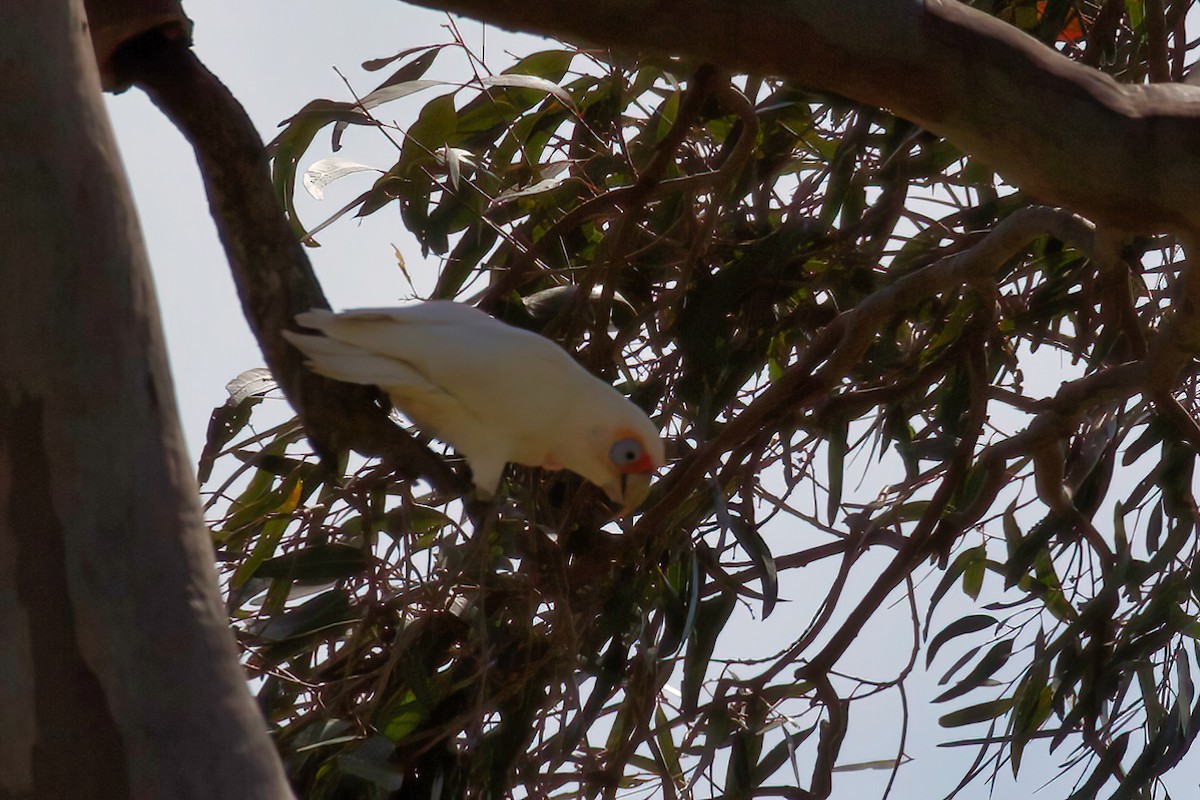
347 362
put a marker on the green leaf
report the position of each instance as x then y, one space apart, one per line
1053 597
960 627
1152 435
1154 528
411 71
970 488
463 260
862 766
487 115
977 713
905 512
959 663
227 421
989 665
325 611
1012 531
1034 700
1136 10
710 621
681 602
1149 690
666 750
781 753
400 716
836 454
371 761
973 577
376 64
320 563
957 567
760 555
422 519
841 174
1184 690
433 129
529 82
289 147
744 750
282 504
549 64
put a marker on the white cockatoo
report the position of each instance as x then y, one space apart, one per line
495 392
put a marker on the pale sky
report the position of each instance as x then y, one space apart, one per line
275 56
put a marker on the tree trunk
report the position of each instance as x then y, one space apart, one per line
118 674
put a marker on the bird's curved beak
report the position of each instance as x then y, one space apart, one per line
629 490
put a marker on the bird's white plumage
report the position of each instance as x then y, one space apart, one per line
495 392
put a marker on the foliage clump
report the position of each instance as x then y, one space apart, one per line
856 340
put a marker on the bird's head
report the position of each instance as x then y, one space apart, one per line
618 449
630 462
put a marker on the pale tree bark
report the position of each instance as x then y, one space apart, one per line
118 674
1124 156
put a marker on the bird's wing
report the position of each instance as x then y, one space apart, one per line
343 361
488 365
492 391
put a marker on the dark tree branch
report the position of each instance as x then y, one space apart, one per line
113 23
996 92
841 344
274 278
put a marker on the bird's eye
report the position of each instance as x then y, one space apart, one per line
625 452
